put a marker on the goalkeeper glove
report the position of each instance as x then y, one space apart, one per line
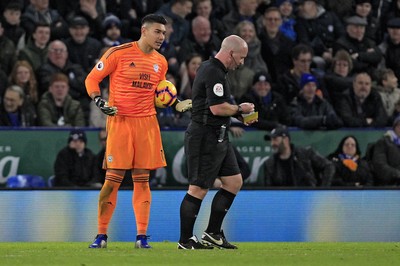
103 105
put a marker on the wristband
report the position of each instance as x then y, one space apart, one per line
239 111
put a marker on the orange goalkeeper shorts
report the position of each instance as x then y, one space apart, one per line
133 143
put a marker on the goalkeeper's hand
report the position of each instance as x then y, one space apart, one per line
103 105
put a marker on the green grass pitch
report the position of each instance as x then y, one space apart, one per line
166 253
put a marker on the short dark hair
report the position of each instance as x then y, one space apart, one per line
41 24
301 49
154 18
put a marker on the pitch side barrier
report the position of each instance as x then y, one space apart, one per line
268 215
33 150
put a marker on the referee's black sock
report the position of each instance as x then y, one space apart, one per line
221 203
190 207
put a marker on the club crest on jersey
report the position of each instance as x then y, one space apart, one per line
99 65
155 67
218 89
110 158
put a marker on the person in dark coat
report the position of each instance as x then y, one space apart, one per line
13 111
364 52
361 106
75 163
390 47
319 28
309 111
275 46
386 157
338 80
82 49
295 166
271 107
289 82
351 169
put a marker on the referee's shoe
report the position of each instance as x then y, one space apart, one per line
217 240
193 243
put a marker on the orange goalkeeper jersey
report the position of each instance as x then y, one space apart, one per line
134 76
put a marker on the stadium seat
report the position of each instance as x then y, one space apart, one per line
25 181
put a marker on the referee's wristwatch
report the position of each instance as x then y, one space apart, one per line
239 111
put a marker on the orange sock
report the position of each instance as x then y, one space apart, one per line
141 202
107 201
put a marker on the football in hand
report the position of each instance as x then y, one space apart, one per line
165 94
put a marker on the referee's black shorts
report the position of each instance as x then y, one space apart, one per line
207 158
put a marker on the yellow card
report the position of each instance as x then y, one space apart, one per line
250 117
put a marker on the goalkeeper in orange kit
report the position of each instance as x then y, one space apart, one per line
134 138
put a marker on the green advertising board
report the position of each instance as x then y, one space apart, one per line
34 151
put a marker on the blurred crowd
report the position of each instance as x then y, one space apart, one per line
312 64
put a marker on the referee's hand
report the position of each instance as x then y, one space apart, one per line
103 106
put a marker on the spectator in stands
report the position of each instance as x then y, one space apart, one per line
319 28
392 12
187 73
112 27
390 47
82 49
74 164
246 10
338 79
365 54
363 9
11 23
57 108
254 60
351 169
308 111
361 106
204 8
7 52
168 49
271 107
201 41
58 62
222 7
13 111
276 47
388 88
285 8
39 12
93 11
3 83
177 10
131 12
386 157
23 76
289 82
294 166
342 8
35 51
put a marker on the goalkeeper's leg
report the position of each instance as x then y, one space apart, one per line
141 202
107 203
108 199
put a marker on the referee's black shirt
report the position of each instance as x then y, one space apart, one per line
210 87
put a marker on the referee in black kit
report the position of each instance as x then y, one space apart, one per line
208 150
